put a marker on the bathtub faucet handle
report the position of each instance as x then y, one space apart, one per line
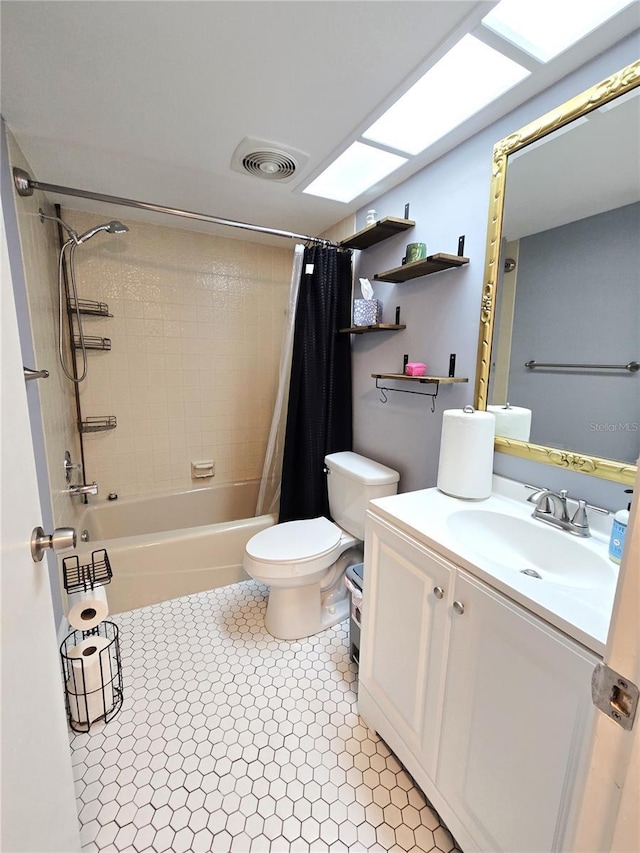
113 496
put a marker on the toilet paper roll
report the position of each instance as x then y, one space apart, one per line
90 686
465 468
512 421
87 609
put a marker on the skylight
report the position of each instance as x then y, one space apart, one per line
357 169
552 26
465 80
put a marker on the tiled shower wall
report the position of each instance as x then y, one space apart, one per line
196 334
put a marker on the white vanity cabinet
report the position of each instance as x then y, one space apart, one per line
406 625
487 705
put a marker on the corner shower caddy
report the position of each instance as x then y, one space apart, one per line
85 703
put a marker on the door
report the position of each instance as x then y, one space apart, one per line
404 637
609 814
517 724
38 802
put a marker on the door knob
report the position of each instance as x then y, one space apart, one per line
458 606
438 592
61 539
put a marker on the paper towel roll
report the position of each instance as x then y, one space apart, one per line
90 687
512 421
87 609
465 469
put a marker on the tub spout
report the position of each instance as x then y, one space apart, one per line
87 489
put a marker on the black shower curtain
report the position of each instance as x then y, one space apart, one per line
319 410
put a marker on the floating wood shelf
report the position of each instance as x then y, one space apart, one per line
372 234
421 380
441 380
426 266
378 327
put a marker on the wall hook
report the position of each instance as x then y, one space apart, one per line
383 396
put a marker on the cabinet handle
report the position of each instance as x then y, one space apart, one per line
438 592
458 606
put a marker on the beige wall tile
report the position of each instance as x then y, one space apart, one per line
196 336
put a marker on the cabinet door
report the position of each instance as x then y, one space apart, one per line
403 641
517 715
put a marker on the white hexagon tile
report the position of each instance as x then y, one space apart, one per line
230 740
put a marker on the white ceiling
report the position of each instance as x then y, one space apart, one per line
586 168
148 100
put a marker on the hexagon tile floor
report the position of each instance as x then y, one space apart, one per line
229 740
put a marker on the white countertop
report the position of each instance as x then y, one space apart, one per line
581 612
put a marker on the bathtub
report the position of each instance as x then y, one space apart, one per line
168 544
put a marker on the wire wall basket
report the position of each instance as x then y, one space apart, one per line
98 424
92 673
90 306
77 578
92 342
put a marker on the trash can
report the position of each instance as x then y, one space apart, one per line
353 582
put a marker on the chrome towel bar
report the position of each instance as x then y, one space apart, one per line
30 373
632 366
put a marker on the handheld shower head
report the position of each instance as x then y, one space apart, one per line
113 227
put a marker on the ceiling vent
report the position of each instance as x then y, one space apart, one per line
268 160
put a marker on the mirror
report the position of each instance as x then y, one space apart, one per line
560 314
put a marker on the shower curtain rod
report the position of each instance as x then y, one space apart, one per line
25 185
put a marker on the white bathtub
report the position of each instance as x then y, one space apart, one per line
166 545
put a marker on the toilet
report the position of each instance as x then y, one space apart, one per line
303 562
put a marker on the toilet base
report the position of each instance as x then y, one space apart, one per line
297 612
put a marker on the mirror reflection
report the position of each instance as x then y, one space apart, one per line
566 345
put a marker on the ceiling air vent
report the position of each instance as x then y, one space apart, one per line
268 160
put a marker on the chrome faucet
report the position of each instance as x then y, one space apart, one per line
551 507
87 489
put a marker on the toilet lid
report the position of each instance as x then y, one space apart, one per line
294 541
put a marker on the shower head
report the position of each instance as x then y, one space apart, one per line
113 227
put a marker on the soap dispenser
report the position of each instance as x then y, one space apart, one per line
619 531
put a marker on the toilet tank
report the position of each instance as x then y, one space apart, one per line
352 481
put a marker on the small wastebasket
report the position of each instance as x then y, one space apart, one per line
353 582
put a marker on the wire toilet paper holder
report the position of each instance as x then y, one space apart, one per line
92 653
91 664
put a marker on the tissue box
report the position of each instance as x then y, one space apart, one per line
367 312
415 368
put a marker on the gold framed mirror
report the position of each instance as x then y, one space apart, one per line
556 216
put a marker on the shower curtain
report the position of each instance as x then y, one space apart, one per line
319 410
269 492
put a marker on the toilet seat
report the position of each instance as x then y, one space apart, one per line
295 547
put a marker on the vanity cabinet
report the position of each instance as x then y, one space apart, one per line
407 629
487 705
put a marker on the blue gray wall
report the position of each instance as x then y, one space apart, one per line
578 300
448 198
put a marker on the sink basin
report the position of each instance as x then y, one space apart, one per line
538 551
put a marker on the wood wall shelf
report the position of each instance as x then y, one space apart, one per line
441 380
372 234
378 327
426 266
